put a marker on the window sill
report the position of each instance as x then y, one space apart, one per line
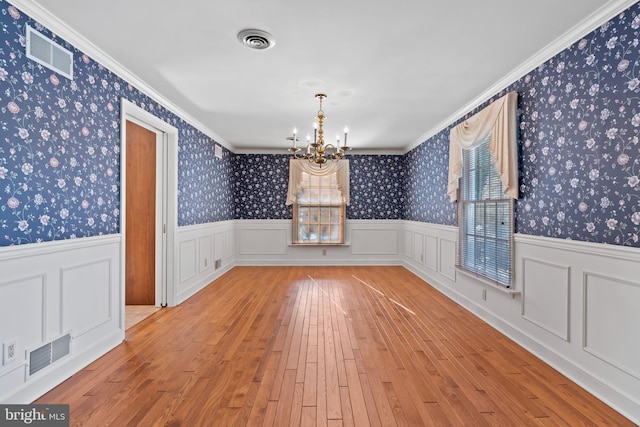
320 244
488 282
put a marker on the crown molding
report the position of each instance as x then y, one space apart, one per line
61 29
593 21
587 25
355 151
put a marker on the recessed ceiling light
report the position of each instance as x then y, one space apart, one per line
256 39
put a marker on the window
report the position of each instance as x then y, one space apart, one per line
485 216
319 211
483 177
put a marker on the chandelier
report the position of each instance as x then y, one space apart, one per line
317 151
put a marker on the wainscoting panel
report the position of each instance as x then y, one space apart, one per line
448 259
263 242
418 247
89 283
23 311
218 246
48 289
199 247
603 322
205 249
374 241
545 295
229 244
268 242
408 244
431 253
187 250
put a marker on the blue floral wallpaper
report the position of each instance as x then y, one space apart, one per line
261 181
376 187
260 186
579 156
579 119
60 141
580 116
426 183
205 183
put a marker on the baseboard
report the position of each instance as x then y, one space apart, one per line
315 262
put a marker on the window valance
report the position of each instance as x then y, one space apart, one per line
499 121
298 166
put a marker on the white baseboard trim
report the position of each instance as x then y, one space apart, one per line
315 262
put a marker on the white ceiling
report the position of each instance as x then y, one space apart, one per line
394 71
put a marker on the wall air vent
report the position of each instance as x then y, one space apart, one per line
49 353
45 51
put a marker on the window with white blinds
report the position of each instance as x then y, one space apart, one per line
485 216
319 211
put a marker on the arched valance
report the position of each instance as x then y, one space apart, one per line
297 166
499 121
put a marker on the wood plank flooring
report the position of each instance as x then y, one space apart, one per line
322 346
134 314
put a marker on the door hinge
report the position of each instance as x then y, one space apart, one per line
164 228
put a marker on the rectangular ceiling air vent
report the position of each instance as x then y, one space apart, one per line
49 353
45 51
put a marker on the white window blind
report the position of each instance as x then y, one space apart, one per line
485 216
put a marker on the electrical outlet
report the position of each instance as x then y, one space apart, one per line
206 262
9 351
484 294
324 252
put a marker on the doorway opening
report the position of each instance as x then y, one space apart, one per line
148 213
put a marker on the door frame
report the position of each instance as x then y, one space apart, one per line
166 201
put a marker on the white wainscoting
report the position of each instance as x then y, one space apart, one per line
368 242
578 306
49 289
199 248
545 295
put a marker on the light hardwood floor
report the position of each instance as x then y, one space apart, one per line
134 314
280 346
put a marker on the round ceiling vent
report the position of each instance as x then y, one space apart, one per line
256 39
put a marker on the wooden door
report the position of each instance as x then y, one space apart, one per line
140 278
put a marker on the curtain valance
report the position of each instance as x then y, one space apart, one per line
499 121
298 166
